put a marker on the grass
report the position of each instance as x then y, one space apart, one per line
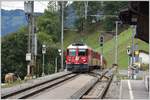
124 39
7 85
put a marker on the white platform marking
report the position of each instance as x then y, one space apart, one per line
130 90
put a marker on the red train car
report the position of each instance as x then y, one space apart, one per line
81 58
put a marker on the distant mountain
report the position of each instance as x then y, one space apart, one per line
12 20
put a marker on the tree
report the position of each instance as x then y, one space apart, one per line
111 9
98 8
49 24
14 48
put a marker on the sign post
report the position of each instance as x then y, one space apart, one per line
129 53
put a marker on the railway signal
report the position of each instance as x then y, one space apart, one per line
129 50
101 40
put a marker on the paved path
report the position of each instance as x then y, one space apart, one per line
140 74
133 89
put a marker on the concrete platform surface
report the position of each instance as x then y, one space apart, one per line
32 82
133 89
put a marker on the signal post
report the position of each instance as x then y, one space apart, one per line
101 40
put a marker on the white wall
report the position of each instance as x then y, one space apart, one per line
145 58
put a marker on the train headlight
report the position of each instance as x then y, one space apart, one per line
84 60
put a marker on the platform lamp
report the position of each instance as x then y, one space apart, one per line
56 69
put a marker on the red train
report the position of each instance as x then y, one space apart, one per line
81 58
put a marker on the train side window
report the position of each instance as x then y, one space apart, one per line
87 52
72 52
82 52
67 52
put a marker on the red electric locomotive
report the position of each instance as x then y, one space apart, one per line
81 58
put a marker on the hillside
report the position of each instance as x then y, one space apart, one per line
124 39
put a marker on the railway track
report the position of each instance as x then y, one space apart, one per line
99 89
95 85
30 91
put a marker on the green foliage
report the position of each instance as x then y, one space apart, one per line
14 46
109 23
113 7
109 9
45 38
49 24
13 53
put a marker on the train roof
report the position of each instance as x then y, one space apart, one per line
78 45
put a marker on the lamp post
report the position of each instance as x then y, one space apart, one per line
43 52
59 50
62 34
56 65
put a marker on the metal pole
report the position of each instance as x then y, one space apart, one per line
43 66
86 6
56 65
29 29
101 56
116 42
129 69
85 14
32 27
62 33
30 16
133 33
29 43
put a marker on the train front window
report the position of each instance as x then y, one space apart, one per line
82 52
72 52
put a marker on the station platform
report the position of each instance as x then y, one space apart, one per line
32 82
133 89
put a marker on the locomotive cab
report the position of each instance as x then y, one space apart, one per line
77 58
81 58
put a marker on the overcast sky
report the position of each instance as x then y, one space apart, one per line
39 6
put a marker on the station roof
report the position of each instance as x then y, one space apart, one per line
140 11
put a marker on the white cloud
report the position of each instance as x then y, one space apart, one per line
39 6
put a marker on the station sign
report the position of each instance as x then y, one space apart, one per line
28 56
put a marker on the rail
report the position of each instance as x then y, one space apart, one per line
100 94
31 90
